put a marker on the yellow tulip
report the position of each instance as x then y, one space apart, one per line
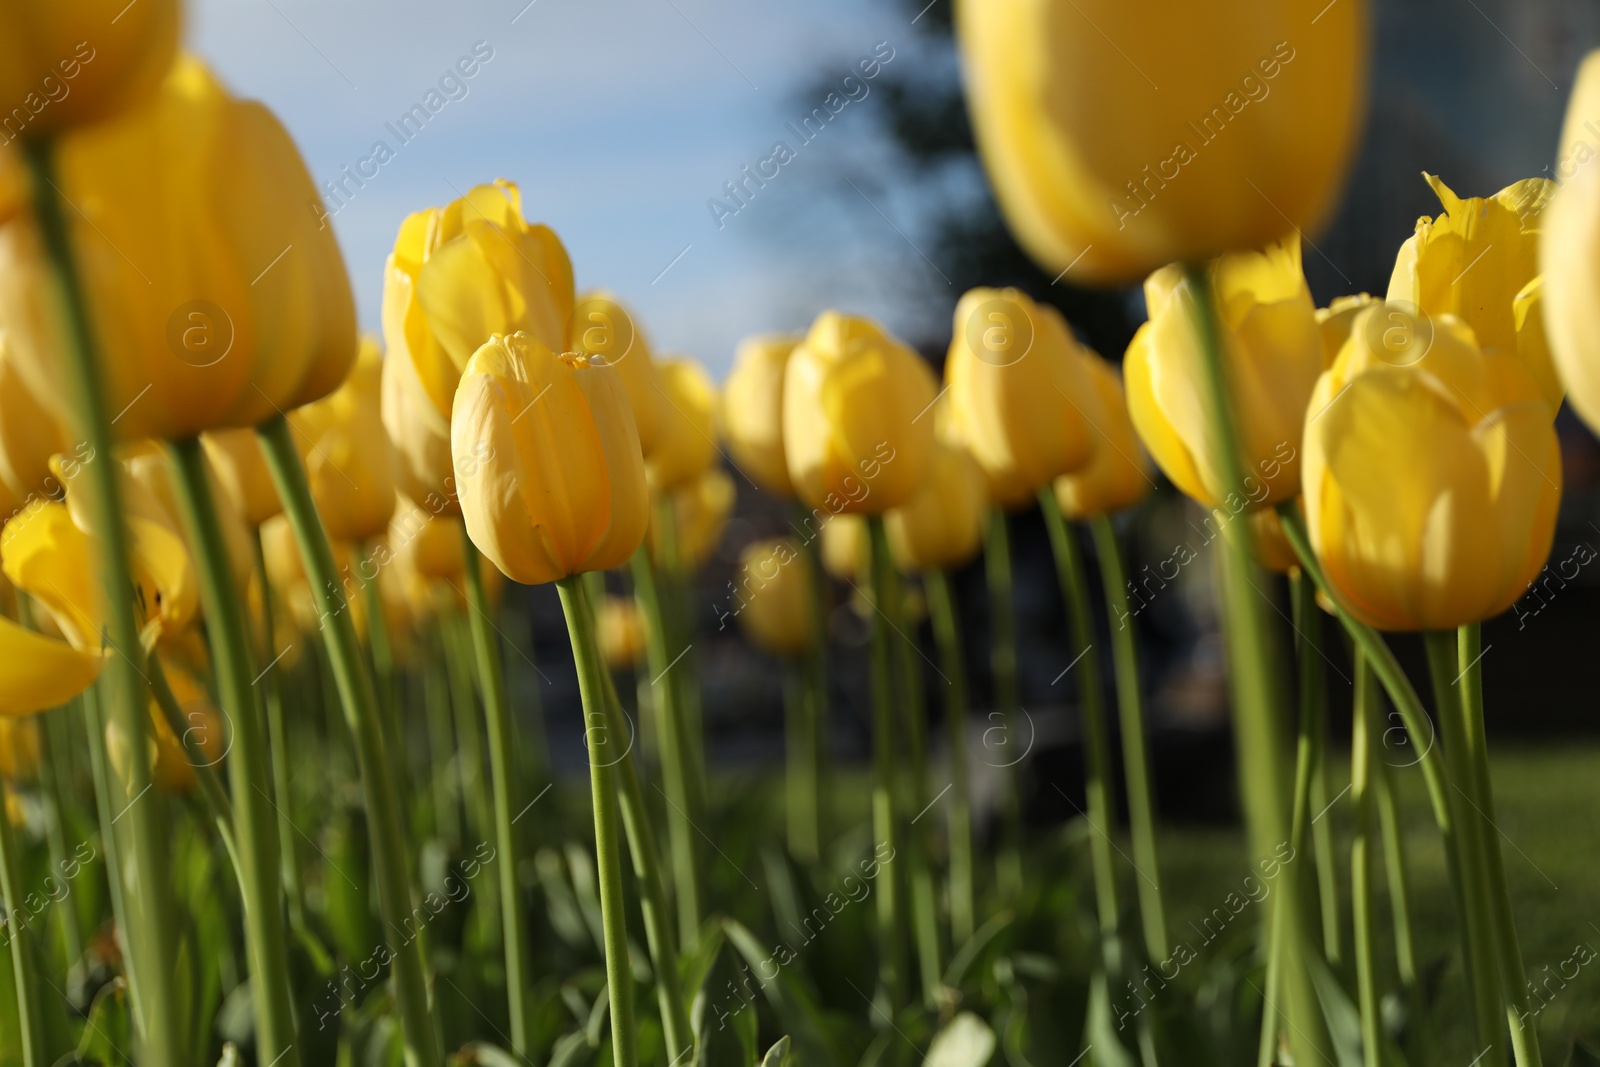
19 748
547 461
602 326
752 410
941 527
854 425
846 552
420 437
1335 320
349 462
622 630
1018 388
431 544
1117 475
774 601
1479 261
1120 137
217 297
1268 543
1567 250
171 765
74 62
30 433
236 460
286 573
1431 484
686 437
1268 329
700 513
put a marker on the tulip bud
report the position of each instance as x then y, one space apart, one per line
219 303
240 468
622 630
348 460
1018 389
776 596
857 417
700 513
1571 229
547 461
1431 481
1267 327
1120 137
941 527
602 326
686 437
752 410
1117 475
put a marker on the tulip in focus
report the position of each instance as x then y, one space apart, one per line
752 410
1117 475
686 438
547 461
349 462
1431 485
1120 137
773 596
941 527
1273 352
1569 251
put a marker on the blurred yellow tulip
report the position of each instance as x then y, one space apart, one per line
1020 395
241 470
216 295
774 599
1268 543
30 433
149 476
846 552
941 527
854 431
1117 475
1478 261
45 555
1431 483
1335 320
430 543
1568 250
19 748
547 461
603 326
1267 327
171 765
700 513
686 438
349 461
752 410
1120 137
420 437
623 630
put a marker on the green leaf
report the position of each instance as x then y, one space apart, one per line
791 1000
967 955
966 1042
109 1028
778 1054
724 1017
572 1050
1100 1030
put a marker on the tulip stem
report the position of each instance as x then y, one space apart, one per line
603 792
20 941
1003 665
1364 733
497 712
365 721
469 738
255 828
447 763
278 744
952 661
885 819
1135 756
1394 866
1519 1011
147 916
800 758
1258 693
217 804
104 780
816 692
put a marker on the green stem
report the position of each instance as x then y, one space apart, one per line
497 713
669 730
20 942
278 744
1394 866
952 661
469 737
1365 731
885 819
1483 972
152 931
817 678
365 722
1258 694
255 827
217 804
1135 756
447 795
1003 665
608 857
1519 1011
104 782
800 757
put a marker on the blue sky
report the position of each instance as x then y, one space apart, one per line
618 118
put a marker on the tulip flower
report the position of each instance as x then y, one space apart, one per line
700 513
431 543
67 64
1018 388
1117 475
348 458
547 461
1566 252
420 437
30 433
1431 485
1479 261
621 628
1268 544
1268 331
241 472
774 596
1120 137
941 527
845 551
752 410
686 437
854 431
19 748
602 326
217 303
1335 320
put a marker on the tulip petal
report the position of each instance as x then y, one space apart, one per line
39 672
49 558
